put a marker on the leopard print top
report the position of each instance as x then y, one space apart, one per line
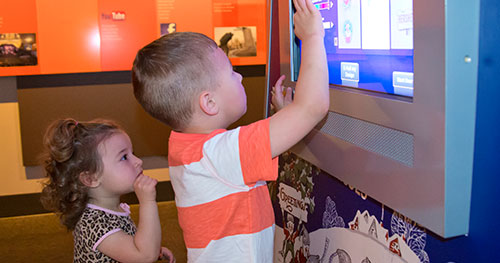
95 224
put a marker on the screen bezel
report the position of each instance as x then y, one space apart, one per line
422 116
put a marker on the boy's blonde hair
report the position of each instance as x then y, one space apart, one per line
170 72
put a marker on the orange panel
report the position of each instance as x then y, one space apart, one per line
15 19
246 21
18 30
68 36
95 35
195 16
126 26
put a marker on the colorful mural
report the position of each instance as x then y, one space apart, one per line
320 219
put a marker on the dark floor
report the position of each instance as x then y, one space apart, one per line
41 238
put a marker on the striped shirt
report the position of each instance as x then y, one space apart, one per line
222 199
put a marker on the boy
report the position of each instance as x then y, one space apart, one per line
187 82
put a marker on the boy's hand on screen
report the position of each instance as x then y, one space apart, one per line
145 188
166 254
307 20
280 97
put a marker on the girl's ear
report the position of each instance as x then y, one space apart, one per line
88 179
208 104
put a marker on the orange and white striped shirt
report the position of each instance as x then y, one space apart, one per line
222 199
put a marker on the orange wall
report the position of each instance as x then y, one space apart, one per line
104 35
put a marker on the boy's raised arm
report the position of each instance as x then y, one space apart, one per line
311 100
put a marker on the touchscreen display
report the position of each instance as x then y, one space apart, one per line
369 44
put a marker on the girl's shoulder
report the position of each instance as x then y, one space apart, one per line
95 217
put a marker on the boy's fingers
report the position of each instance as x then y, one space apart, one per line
279 82
288 95
280 91
309 6
298 5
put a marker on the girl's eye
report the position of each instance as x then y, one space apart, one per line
124 157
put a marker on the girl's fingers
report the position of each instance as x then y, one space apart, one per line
144 180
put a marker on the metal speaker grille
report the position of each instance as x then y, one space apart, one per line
385 141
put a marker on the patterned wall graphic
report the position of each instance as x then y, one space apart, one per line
320 219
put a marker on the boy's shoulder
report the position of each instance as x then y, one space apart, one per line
220 140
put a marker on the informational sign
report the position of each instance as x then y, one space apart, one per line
57 36
18 38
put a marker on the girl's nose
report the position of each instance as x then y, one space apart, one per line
138 161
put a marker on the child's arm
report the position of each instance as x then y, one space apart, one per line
311 99
146 244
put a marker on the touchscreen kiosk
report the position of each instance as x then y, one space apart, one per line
402 79
369 48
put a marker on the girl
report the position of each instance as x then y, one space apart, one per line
89 166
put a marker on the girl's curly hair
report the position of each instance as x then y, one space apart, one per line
70 149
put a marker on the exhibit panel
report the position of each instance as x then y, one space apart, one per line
105 35
403 98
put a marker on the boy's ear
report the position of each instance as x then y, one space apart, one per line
208 104
88 179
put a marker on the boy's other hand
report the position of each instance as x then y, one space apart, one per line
280 98
145 188
307 20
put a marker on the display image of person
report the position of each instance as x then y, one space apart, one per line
224 41
89 165
219 176
17 50
237 41
246 49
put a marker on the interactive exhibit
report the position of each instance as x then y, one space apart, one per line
403 78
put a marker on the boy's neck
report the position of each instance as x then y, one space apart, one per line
203 126
199 130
